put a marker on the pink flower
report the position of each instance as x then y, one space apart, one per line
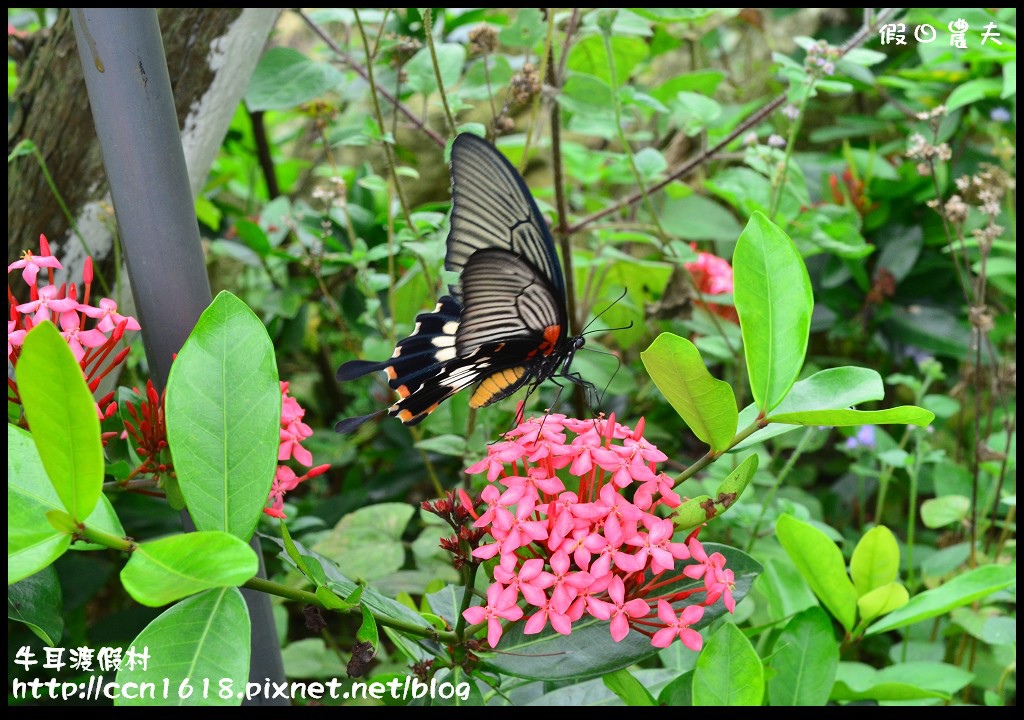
291 442
718 580
47 304
678 627
713 276
77 338
108 316
618 610
15 338
501 605
32 264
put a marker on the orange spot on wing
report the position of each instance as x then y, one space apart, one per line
403 391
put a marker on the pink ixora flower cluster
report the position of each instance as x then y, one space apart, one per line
599 548
293 432
93 347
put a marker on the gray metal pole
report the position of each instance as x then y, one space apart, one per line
129 90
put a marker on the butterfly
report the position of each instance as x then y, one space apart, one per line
504 324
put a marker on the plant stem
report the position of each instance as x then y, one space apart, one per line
779 479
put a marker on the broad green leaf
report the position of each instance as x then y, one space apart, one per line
694 511
828 389
679 692
905 681
590 57
36 602
596 694
590 651
805 660
311 658
285 78
204 639
963 590
32 543
729 671
876 560
707 405
774 301
367 544
702 508
526 29
224 418
821 563
903 415
165 570
946 510
627 687
420 68
694 112
881 601
1009 80
972 91
61 413
586 95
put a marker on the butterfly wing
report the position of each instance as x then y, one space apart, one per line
493 209
505 322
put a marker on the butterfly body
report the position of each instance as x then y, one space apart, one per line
504 324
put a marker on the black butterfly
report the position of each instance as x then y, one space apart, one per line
505 323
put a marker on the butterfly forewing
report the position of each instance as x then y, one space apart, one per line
493 208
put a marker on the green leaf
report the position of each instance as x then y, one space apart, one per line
1009 80
586 95
62 415
329 600
963 590
165 570
903 415
876 560
590 650
285 78
821 564
694 112
881 601
36 602
525 31
32 543
224 418
368 629
805 660
596 694
627 687
590 57
199 648
774 301
367 544
729 671
420 68
946 510
827 389
972 91
905 681
693 15
705 404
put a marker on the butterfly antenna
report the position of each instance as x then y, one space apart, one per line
610 306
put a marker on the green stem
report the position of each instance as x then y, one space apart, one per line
437 69
304 596
710 456
779 180
104 538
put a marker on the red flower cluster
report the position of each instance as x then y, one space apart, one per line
599 548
